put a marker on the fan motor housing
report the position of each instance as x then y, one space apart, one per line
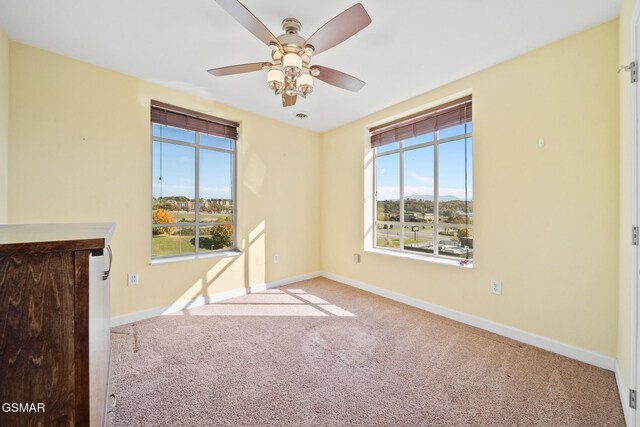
291 41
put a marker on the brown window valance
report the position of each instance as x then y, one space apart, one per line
171 115
443 116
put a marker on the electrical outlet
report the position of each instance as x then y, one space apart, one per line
276 258
356 258
496 287
132 279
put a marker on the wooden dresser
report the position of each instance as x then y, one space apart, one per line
55 324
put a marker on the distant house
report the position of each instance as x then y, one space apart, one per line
188 205
411 216
221 202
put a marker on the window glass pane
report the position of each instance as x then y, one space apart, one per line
216 183
428 137
388 147
418 185
172 241
174 180
169 132
456 242
454 189
418 237
449 235
451 131
388 187
216 237
388 235
469 206
216 141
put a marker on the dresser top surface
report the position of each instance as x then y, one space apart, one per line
29 238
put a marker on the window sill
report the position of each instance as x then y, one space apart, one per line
180 258
421 258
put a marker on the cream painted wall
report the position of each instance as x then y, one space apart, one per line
4 128
546 218
80 152
300 193
624 296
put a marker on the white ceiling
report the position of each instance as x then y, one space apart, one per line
410 47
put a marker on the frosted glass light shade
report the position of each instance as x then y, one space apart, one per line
292 64
305 80
275 79
304 84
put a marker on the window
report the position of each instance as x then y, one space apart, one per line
423 197
193 182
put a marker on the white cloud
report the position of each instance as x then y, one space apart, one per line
425 179
391 192
388 192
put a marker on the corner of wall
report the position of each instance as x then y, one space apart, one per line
4 128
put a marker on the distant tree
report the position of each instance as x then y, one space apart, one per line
448 215
187 231
456 219
220 236
162 216
386 226
464 232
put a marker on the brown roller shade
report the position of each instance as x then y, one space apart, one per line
170 115
444 116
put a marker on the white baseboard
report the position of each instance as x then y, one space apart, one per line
624 397
568 350
202 300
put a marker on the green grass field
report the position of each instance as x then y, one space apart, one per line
172 245
178 245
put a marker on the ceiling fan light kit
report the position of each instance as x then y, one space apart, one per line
290 73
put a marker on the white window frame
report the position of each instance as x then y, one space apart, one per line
402 223
196 224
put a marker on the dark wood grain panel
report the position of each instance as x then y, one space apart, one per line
54 323
36 337
82 403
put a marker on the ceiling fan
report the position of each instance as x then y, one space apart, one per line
290 74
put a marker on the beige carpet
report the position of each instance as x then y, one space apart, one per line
319 353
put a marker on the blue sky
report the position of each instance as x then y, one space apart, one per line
419 170
176 164
178 167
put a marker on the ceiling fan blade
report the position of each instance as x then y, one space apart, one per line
339 28
288 101
238 69
338 78
248 20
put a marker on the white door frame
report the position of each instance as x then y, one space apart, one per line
634 380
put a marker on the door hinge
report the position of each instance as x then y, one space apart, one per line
632 68
632 398
634 235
